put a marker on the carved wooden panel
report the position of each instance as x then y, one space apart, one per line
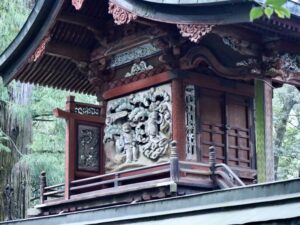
138 129
88 148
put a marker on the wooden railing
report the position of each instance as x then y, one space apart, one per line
174 170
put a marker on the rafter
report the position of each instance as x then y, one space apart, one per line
67 51
89 23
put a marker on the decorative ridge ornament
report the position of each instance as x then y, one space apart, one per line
40 49
77 4
120 15
194 31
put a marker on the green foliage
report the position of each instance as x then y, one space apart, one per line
289 152
13 15
269 8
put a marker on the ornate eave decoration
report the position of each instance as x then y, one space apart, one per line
120 15
40 49
194 31
241 46
286 65
138 68
77 4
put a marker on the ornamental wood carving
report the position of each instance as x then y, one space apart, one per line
39 52
194 31
199 54
77 4
138 129
88 148
286 66
120 15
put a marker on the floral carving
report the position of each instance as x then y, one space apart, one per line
40 49
120 15
77 4
194 31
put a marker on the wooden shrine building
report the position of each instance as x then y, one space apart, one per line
185 98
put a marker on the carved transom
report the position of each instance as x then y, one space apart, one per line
194 31
120 15
40 49
138 68
132 54
77 4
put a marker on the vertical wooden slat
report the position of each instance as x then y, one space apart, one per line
226 128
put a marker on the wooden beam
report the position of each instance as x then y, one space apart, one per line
67 115
67 51
90 23
139 85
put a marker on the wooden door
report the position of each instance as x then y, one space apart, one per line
225 121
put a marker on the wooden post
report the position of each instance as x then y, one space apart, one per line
212 161
70 147
43 184
116 180
178 117
174 163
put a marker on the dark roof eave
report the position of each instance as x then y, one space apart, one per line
183 14
36 27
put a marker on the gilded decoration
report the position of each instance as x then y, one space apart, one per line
194 31
120 15
77 4
138 129
39 52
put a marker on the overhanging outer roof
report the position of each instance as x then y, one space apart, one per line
276 202
63 73
181 13
37 25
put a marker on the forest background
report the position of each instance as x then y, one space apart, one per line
32 140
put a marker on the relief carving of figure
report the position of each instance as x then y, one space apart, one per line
138 128
126 144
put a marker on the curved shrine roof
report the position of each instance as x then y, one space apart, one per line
58 41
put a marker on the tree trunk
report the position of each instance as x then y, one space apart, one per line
280 127
14 174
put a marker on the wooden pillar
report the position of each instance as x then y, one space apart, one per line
174 163
268 97
178 118
70 147
263 126
43 184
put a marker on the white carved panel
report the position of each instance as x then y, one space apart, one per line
190 122
138 129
